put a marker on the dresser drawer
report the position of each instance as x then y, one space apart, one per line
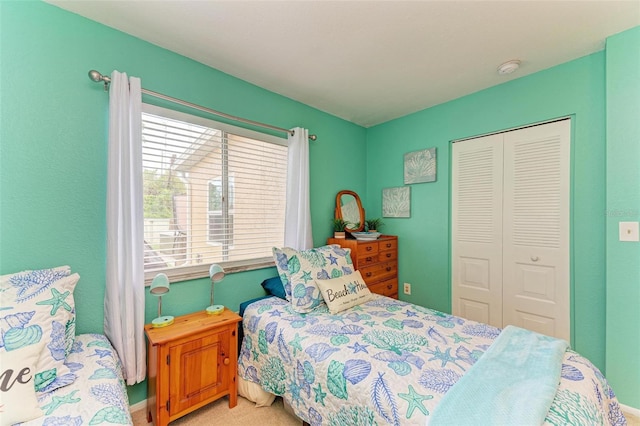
387 288
367 249
367 260
379 272
387 256
388 245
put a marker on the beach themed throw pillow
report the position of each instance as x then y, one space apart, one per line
302 268
38 307
344 292
18 402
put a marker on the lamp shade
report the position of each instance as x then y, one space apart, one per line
216 273
160 285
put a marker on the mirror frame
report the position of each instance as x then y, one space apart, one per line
338 210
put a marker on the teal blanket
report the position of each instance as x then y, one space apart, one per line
513 383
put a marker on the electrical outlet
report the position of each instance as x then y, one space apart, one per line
407 288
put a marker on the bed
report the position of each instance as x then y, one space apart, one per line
98 394
386 361
51 376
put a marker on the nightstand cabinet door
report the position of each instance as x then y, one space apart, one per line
198 371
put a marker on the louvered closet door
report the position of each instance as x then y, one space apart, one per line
536 229
510 229
477 229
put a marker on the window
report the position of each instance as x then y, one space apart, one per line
218 216
213 193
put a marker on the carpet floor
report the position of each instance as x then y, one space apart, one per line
244 414
247 414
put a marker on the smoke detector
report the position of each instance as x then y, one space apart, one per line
509 67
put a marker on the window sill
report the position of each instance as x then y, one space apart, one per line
202 270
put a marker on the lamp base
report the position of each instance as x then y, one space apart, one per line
215 309
162 321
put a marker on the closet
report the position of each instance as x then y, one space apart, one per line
510 228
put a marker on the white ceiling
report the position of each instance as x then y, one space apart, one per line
369 61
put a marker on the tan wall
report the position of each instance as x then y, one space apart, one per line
248 222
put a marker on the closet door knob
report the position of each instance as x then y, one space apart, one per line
534 258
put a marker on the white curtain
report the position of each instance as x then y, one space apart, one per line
124 294
297 225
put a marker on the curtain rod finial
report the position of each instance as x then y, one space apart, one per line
97 77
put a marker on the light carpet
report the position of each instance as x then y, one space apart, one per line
245 414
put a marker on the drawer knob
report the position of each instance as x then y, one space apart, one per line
388 268
388 254
389 286
368 274
388 245
369 248
369 259
226 361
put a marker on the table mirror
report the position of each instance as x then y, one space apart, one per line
349 208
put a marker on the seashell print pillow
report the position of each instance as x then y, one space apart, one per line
301 269
38 306
18 400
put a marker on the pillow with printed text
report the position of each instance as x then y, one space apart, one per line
344 292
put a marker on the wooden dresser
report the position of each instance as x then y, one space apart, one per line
376 260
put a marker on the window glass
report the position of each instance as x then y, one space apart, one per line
213 193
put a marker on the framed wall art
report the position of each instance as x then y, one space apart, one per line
396 202
420 166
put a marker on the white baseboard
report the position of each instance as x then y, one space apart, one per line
630 410
138 406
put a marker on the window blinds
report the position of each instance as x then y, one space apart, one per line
213 193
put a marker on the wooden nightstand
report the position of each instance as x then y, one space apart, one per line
190 364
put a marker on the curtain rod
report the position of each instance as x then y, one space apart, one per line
97 77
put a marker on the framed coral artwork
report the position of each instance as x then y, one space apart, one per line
396 202
420 166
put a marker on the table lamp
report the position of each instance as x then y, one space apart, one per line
216 273
160 286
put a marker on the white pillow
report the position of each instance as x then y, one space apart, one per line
344 292
38 306
18 402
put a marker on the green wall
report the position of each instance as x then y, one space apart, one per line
573 89
53 133
623 205
53 145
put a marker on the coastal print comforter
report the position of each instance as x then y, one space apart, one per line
98 396
389 362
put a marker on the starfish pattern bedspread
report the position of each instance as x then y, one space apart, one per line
98 396
389 362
